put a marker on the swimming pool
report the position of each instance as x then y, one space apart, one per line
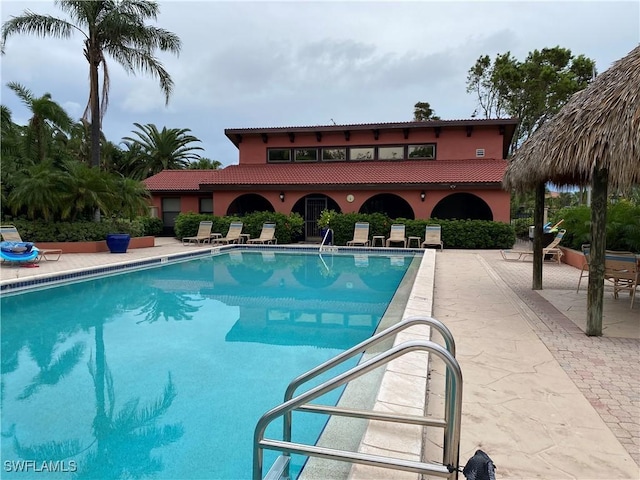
165 371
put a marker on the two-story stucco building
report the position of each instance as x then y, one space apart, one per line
435 169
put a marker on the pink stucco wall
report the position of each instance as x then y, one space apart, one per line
452 143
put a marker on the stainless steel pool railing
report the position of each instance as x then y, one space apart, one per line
450 424
327 234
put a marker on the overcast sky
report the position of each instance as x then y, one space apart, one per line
272 64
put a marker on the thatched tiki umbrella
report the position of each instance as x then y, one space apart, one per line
593 140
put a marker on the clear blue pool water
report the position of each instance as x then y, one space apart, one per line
164 372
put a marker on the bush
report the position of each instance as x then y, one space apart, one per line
470 234
84 231
152 226
288 227
623 226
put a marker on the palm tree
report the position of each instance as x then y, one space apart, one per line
47 119
38 191
114 27
168 149
204 163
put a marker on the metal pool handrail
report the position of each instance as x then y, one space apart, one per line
451 423
373 340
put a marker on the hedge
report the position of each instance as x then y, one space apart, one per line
288 227
467 234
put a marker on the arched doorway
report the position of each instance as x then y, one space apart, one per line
390 204
249 203
462 206
309 207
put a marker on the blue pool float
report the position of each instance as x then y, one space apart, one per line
18 251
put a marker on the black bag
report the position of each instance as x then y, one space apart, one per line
479 467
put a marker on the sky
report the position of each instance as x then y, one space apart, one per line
301 63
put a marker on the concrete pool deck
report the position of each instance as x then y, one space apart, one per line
539 396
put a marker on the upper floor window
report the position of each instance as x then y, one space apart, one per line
305 155
427 151
334 154
361 153
390 153
278 155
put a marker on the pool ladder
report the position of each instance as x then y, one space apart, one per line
450 424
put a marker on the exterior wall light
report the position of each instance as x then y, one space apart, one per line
422 196
282 196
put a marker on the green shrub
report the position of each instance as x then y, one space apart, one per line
623 226
469 234
152 226
84 231
288 227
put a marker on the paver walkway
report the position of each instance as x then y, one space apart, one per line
542 398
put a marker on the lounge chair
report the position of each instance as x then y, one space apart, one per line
397 235
360 234
621 269
552 250
203 235
433 236
233 235
267 235
10 233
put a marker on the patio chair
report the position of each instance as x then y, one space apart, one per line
432 236
584 271
10 233
552 250
397 235
203 235
621 269
267 235
233 235
360 234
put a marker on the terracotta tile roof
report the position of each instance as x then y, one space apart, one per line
367 126
178 180
485 170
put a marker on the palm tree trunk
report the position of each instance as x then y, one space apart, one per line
95 122
95 114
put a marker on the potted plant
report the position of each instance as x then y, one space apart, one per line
118 242
324 222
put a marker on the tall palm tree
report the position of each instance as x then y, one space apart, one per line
47 118
114 27
168 149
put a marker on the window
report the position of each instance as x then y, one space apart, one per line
334 154
427 150
390 153
479 152
278 155
361 153
206 205
305 155
170 210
